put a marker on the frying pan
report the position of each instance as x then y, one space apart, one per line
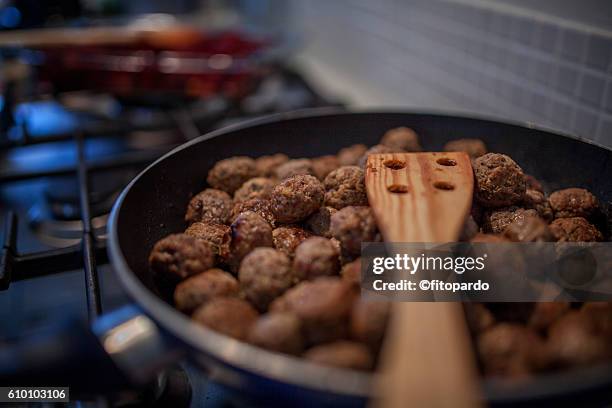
153 205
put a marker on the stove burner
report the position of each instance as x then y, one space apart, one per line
59 233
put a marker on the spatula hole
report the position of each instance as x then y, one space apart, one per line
398 188
445 161
395 164
444 185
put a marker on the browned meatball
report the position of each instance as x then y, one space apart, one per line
369 322
227 315
349 156
500 182
266 165
533 183
546 313
324 165
512 350
229 174
210 205
199 289
316 256
281 332
401 138
296 198
219 236
179 255
323 306
293 168
377 149
259 206
573 202
249 231
528 229
319 222
575 229
345 186
351 272
488 238
265 274
535 199
496 221
478 317
343 354
352 226
287 239
473 147
258 187
573 341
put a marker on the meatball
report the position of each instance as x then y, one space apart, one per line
324 165
535 199
293 168
265 274
351 272
199 289
575 229
496 221
319 222
488 238
281 332
345 186
500 182
322 305
219 236
478 317
546 313
511 350
377 149
352 226
265 165
229 174
210 205
316 256
473 147
533 183
369 322
227 315
258 187
296 198
249 231
573 202
401 138
349 156
287 239
528 229
259 206
179 255
343 354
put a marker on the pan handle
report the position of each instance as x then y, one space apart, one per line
122 349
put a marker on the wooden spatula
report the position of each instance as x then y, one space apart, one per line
427 358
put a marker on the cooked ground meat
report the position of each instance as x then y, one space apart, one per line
533 183
229 174
528 229
512 350
345 186
219 236
500 182
343 354
473 147
297 197
324 165
496 221
316 256
352 226
478 317
178 256
369 322
537 200
249 231
351 272
546 313
265 274
260 206
323 306
210 205
401 138
258 187
287 239
293 168
227 315
281 332
575 229
349 156
265 165
377 149
199 289
573 202
319 222
488 238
